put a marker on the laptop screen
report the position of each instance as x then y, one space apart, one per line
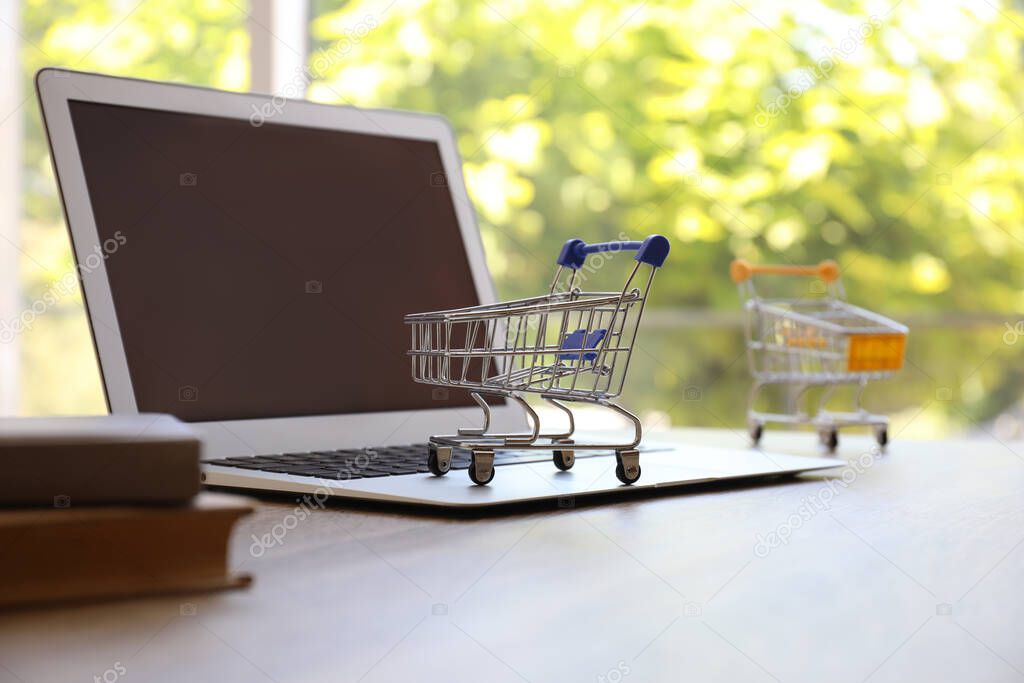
264 271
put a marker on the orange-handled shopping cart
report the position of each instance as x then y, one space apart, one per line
815 341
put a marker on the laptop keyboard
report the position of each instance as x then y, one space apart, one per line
360 463
384 461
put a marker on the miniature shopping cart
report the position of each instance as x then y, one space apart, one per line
816 341
565 346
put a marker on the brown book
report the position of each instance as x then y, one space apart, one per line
72 461
84 553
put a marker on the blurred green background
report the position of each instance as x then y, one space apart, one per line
885 135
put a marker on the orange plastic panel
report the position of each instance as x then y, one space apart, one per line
876 352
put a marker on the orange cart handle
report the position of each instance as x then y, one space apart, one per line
742 270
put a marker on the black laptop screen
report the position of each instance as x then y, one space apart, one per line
264 271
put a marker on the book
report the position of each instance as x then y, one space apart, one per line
73 461
98 552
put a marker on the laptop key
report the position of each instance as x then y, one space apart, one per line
308 471
229 463
383 469
334 474
279 469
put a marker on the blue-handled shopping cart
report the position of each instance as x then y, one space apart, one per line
566 346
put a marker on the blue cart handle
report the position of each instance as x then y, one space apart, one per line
651 251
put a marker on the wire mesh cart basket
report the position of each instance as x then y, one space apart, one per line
565 346
816 341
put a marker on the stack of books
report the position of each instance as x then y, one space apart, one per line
106 507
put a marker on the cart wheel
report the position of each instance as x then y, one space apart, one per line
882 436
481 467
755 431
627 466
829 439
439 460
564 458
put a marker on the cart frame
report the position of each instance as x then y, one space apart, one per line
567 346
814 342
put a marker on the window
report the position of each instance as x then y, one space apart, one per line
883 135
196 42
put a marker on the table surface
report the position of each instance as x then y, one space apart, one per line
907 565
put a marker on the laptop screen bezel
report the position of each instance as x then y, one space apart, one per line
56 87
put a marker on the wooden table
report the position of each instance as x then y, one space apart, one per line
909 566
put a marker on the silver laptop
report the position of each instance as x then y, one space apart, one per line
246 263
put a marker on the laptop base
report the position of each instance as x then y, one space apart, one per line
679 466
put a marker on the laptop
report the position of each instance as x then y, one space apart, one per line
246 263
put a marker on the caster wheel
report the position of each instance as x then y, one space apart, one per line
755 432
564 458
830 439
627 466
481 467
882 436
439 460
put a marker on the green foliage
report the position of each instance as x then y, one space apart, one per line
192 41
883 134
791 132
